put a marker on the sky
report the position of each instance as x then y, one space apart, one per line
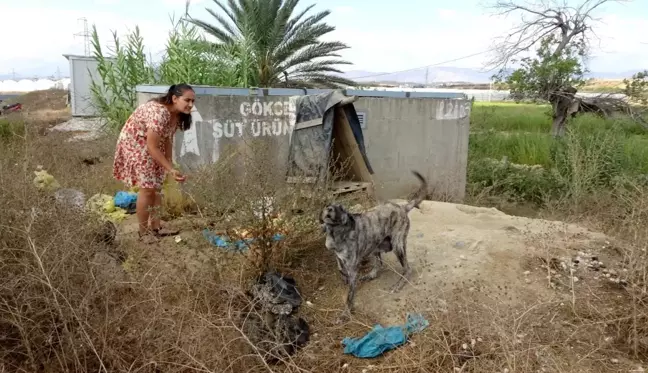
384 36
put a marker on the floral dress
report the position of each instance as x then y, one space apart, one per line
133 164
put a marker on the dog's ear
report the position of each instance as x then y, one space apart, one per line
342 215
349 220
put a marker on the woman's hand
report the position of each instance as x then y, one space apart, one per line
178 176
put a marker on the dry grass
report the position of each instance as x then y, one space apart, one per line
604 85
70 303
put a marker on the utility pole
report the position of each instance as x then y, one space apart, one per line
85 35
427 75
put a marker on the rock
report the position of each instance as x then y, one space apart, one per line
70 197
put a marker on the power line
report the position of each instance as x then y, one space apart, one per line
86 36
423 67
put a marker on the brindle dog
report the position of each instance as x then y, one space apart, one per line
355 237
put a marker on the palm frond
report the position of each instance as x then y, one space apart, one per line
264 38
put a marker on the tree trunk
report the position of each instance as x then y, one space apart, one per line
564 103
559 125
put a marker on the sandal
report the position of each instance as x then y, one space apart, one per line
148 238
165 232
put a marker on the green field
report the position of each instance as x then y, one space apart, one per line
596 154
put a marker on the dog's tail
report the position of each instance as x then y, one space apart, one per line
421 193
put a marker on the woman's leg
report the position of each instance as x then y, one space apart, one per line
155 214
156 221
145 202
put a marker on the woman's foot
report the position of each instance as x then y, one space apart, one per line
148 238
165 232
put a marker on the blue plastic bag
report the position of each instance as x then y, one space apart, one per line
237 246
380 339
125 200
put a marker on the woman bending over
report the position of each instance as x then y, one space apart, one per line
143 154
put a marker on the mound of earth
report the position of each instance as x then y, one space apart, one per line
43 109
49 99
458 247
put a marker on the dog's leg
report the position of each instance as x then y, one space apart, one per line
346 314
399 245
345 276
376 264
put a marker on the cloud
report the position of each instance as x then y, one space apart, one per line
380 43
55 34
398 47
618 41
343 10
409 45
447 13
181 2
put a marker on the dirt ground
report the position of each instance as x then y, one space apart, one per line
510 268
450 247
478 274
470 248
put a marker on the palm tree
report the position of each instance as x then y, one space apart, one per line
281 49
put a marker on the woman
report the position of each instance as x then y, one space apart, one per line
143 154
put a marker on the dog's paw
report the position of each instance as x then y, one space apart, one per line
343 318
367 278
397 287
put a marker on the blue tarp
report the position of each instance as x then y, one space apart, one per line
380 339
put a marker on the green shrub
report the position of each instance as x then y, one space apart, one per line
523 148
10 128
514 182
594 155
187 59
588 159
502 116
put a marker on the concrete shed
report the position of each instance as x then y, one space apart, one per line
83 69
403 131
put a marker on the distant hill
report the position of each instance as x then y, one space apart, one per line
434 75
451 75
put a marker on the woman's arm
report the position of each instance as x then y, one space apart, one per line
168 148
152 144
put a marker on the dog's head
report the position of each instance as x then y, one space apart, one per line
334 214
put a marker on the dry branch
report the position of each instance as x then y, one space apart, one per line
540 19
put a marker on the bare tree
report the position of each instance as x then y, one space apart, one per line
563 31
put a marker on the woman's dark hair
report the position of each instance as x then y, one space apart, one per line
167 99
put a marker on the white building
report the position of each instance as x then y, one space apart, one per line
83 69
